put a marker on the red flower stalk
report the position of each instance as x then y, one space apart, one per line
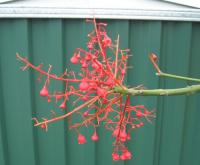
99 74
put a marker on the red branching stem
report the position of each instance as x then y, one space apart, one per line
53 76
68 114
98 38
98 113
116 56
101 49
153 59
123 114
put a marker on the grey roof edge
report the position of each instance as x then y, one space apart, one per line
109 13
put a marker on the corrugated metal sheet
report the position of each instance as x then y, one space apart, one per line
174 138
126 9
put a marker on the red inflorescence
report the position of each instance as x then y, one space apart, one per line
102 68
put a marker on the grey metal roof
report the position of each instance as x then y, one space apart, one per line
115 9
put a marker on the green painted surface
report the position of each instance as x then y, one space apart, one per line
174 137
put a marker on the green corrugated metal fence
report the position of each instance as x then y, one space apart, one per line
173 139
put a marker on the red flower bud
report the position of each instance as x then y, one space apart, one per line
123 72
139 113
81 139
44 91
95 137
110 81
122 157
84 65
141 123
84 98
138 125
101 92
107 41
58 97
49 100
87 57
127 154
90 45
123 135
154 57
95 66
116 132
86 113
74 60
115 156
128 137
93 85
83 86
63 105
43 126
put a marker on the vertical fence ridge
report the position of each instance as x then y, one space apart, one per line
145 40
48 50
172 130
63 68
189 155
4 157
12 32
159 106
187 98
32 89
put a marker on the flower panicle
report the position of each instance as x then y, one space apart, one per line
103 66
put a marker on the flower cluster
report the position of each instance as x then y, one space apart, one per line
102 68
